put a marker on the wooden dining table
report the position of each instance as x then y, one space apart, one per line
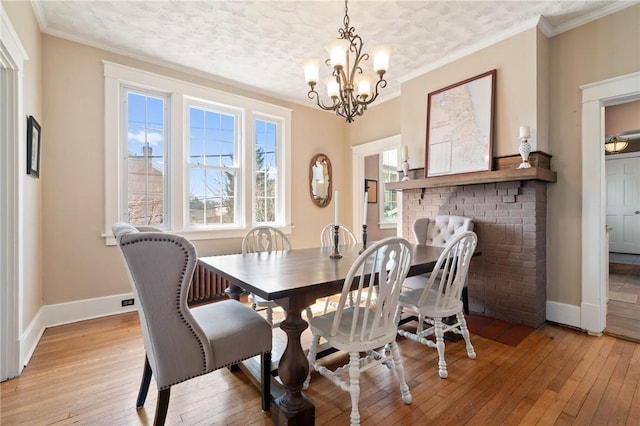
295 279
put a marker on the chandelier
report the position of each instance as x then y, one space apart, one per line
615 145
348 87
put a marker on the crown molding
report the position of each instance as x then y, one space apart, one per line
544 26
595 15
41 17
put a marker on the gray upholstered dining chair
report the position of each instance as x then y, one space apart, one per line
439 231
264 239
368 326
440 299
181 342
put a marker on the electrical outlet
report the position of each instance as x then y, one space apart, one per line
126 302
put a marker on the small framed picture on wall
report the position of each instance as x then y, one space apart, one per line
372 187
33 147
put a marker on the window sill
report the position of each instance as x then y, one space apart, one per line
205 234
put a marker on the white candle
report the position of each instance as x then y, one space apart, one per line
405 153
364 212
525 132
337 207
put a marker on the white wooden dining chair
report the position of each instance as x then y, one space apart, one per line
264 239
345 237
441 299
369 326
438 231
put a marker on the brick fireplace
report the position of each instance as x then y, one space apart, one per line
508 281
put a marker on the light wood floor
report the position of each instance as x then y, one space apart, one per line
623 317
88 373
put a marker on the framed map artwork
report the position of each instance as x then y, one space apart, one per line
460 127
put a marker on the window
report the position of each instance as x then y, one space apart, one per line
389 173
192 160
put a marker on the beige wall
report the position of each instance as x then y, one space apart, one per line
24 22
587 54
622 118
542 92
379 122
76 263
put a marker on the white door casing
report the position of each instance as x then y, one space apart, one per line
595 96
623 203
12 127
358 154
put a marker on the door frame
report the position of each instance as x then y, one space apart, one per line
12 129
358 154
595 97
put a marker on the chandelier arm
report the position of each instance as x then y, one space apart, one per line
380 84
312 93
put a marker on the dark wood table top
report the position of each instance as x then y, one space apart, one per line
310 271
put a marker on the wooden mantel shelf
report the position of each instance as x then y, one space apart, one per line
505 175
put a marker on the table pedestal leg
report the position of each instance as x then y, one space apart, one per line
234 292
293 408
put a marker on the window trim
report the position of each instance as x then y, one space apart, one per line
180 91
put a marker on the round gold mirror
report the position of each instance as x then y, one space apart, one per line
320 180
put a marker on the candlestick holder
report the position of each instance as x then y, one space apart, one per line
336 241
364 239
525 150
405 170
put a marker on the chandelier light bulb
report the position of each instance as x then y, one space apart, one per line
381 58
364 86
311 71
338 52
333 88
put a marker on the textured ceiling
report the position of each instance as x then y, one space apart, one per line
263 44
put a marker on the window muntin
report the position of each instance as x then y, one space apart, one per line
389 173
146 151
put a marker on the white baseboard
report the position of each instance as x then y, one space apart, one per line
30 338
563 313
66 313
